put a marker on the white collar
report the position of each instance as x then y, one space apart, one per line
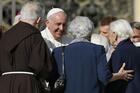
137 44
50 40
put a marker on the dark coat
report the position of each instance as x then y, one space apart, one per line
128 53
23 49
84 70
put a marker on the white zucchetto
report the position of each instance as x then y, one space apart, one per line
54 11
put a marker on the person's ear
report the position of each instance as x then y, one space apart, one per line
46 22
115 39
116 36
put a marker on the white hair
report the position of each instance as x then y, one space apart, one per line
31 11
81 27
100 40
122 28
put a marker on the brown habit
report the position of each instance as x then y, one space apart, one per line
23 49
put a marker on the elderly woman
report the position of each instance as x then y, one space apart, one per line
125 51
85 63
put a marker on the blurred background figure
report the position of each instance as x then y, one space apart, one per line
94 9
55 31
136 35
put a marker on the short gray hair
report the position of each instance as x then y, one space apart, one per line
81 27
31 10
122 28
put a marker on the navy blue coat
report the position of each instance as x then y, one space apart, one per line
128 53
85 71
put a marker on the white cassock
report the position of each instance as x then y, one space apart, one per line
51 42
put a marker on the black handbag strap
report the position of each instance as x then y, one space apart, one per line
63 60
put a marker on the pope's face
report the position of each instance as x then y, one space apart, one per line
57 24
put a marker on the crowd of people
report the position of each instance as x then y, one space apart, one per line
107 62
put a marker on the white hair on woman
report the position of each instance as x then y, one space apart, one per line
81 27
122 28
31 11
100 40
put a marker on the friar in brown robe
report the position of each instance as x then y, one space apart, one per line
24 56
